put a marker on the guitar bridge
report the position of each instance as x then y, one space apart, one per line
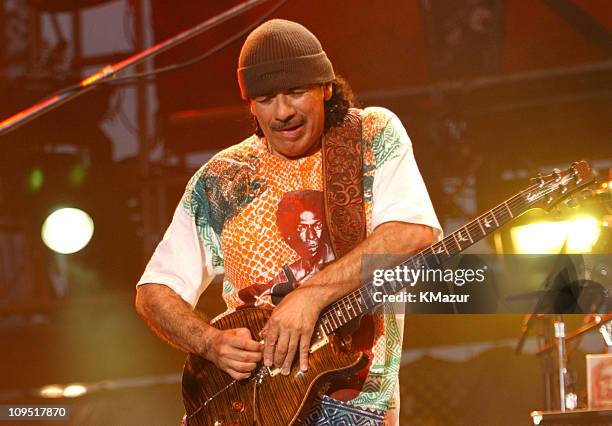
319 339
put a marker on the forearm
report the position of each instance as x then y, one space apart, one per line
343 275
173 319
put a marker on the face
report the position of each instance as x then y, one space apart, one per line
292 120
309 230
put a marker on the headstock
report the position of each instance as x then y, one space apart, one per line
549 190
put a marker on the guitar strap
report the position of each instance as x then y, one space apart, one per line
345 215
343 184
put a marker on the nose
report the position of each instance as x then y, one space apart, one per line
284 108
310 233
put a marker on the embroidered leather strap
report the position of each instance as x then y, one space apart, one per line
343 184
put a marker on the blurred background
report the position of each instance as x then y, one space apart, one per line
492 92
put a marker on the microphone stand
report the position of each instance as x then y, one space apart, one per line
110 71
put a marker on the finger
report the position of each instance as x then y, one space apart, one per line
269 346
245 344
282 347
244 340
237 375
304 348
241 367
243 356
293 345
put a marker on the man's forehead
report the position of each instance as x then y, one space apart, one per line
305 87
308 215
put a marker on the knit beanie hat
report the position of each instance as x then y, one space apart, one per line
279 55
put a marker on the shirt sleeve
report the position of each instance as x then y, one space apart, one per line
399 193
183 259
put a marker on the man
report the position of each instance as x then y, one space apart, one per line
226 223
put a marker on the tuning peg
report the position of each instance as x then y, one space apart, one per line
575 174
549 199
557 174
539 180
563 188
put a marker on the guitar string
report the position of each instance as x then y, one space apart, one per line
515 201
518 200
255 377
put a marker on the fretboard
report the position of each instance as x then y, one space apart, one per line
362 300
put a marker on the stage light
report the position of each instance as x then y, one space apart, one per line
35 180
52 391
67 230
539 237
76 176
578 235
74 391
582 235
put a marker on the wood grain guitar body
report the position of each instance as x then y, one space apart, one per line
213 397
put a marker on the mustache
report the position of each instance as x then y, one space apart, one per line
276 126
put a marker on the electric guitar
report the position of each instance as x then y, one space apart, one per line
213 397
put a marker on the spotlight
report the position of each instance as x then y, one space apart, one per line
52 391
578 235
74 391
67 230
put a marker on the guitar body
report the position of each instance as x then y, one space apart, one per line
279 399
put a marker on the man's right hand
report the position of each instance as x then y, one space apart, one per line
234 351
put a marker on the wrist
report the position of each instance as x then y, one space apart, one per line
207 342
316 294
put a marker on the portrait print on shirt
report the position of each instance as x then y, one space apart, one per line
300 219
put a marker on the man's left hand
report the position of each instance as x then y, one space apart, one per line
290 328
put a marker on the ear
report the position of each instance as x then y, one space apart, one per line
327 91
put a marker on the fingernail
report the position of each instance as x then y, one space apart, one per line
267 363
285 371
304 368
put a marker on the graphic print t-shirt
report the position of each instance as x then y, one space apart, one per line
259 220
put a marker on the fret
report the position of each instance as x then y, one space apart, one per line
494 218
357 303
433 252
467 231
351 307
452 237
477 232
342 309
442 248
412 264
509 211
424 259
325 325
459 237
481 228
369 303
362 305
487 221
416 262
332 318
501 214
432 258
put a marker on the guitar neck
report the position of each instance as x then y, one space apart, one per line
361 301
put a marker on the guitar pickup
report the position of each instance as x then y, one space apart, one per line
319 339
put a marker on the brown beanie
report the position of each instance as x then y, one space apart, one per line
279 55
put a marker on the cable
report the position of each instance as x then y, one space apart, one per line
136 76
